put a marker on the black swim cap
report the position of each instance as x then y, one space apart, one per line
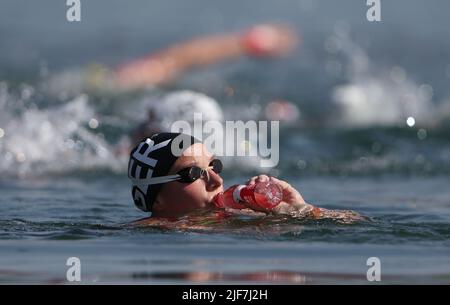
153 157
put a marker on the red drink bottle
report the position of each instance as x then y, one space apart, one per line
261 196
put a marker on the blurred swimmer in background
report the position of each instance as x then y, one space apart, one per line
139 80
263 41
166 65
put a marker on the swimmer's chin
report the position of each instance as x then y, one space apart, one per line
210 202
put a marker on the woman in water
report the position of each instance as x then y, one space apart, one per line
163 183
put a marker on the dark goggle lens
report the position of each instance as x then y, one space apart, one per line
216 166
190 174
193 173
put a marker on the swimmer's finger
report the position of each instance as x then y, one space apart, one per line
284 185
290 194
260 178
263 178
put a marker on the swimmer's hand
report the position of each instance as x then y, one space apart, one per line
292 203
269 40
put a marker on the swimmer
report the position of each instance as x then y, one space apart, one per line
166 65
170 187
174 106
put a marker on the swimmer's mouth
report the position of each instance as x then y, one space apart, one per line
212 201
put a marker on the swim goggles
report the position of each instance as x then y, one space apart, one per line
186 175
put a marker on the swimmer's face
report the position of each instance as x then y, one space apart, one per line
177 198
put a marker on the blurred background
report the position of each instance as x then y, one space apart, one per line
370 130
347 77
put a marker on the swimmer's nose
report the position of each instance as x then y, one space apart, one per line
213 181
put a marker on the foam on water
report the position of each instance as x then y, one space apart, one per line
52 139
377 95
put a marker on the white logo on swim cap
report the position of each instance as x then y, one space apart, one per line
145 159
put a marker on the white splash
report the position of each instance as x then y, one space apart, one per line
377 95
52 139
